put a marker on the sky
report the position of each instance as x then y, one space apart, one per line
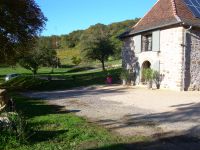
65 16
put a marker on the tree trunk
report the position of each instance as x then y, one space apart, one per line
34 72
52 69
103 65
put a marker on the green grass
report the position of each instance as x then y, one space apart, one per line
66 78
51 127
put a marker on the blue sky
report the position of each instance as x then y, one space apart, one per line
65 16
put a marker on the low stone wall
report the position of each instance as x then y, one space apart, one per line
3 99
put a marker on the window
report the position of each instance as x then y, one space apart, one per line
147 42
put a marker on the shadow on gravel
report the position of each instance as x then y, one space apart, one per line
74 93
185 140
165 143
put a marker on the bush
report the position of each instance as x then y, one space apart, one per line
76 60
157 78
125 75
148 74
12 129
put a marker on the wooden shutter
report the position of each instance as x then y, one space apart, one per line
138 43
156 41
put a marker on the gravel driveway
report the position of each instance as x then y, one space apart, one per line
132 111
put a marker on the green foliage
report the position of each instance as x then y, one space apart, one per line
15 132
76 60
66 78
125 75
96 44
148 74
72 39
71 43
54 128
20 23
157 78
37 57
32 61
115 29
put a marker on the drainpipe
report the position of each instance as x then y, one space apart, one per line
184 54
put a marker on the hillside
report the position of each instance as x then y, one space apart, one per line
69 45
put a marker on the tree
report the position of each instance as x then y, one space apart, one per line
96 44
39 57
31 61
20 22
48 58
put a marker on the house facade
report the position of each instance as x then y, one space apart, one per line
166 39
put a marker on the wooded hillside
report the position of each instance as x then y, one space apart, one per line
69 45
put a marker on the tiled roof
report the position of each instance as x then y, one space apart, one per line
162 14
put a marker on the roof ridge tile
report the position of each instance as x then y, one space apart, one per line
175 10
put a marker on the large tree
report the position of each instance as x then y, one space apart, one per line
20 22
96 44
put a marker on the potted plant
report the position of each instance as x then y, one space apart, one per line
148 76
124 76
157 79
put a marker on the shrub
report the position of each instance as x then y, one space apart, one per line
157 78
12 129
147 74
124 75
76 60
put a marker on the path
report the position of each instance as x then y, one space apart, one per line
132 111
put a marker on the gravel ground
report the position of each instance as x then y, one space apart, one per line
132 111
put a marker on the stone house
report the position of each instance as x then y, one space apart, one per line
166 39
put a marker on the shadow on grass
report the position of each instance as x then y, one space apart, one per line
79 69
42 118
41 136
85 79
33 108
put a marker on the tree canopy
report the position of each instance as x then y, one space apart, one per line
96 44
20 22
39 56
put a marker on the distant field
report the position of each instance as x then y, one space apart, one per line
65 56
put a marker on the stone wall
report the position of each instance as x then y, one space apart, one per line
193 60
170 57
128 55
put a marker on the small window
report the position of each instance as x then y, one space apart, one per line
147 42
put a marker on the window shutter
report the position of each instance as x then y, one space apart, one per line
156 41
156 66
138 44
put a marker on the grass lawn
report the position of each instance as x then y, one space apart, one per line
51 127
62 78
